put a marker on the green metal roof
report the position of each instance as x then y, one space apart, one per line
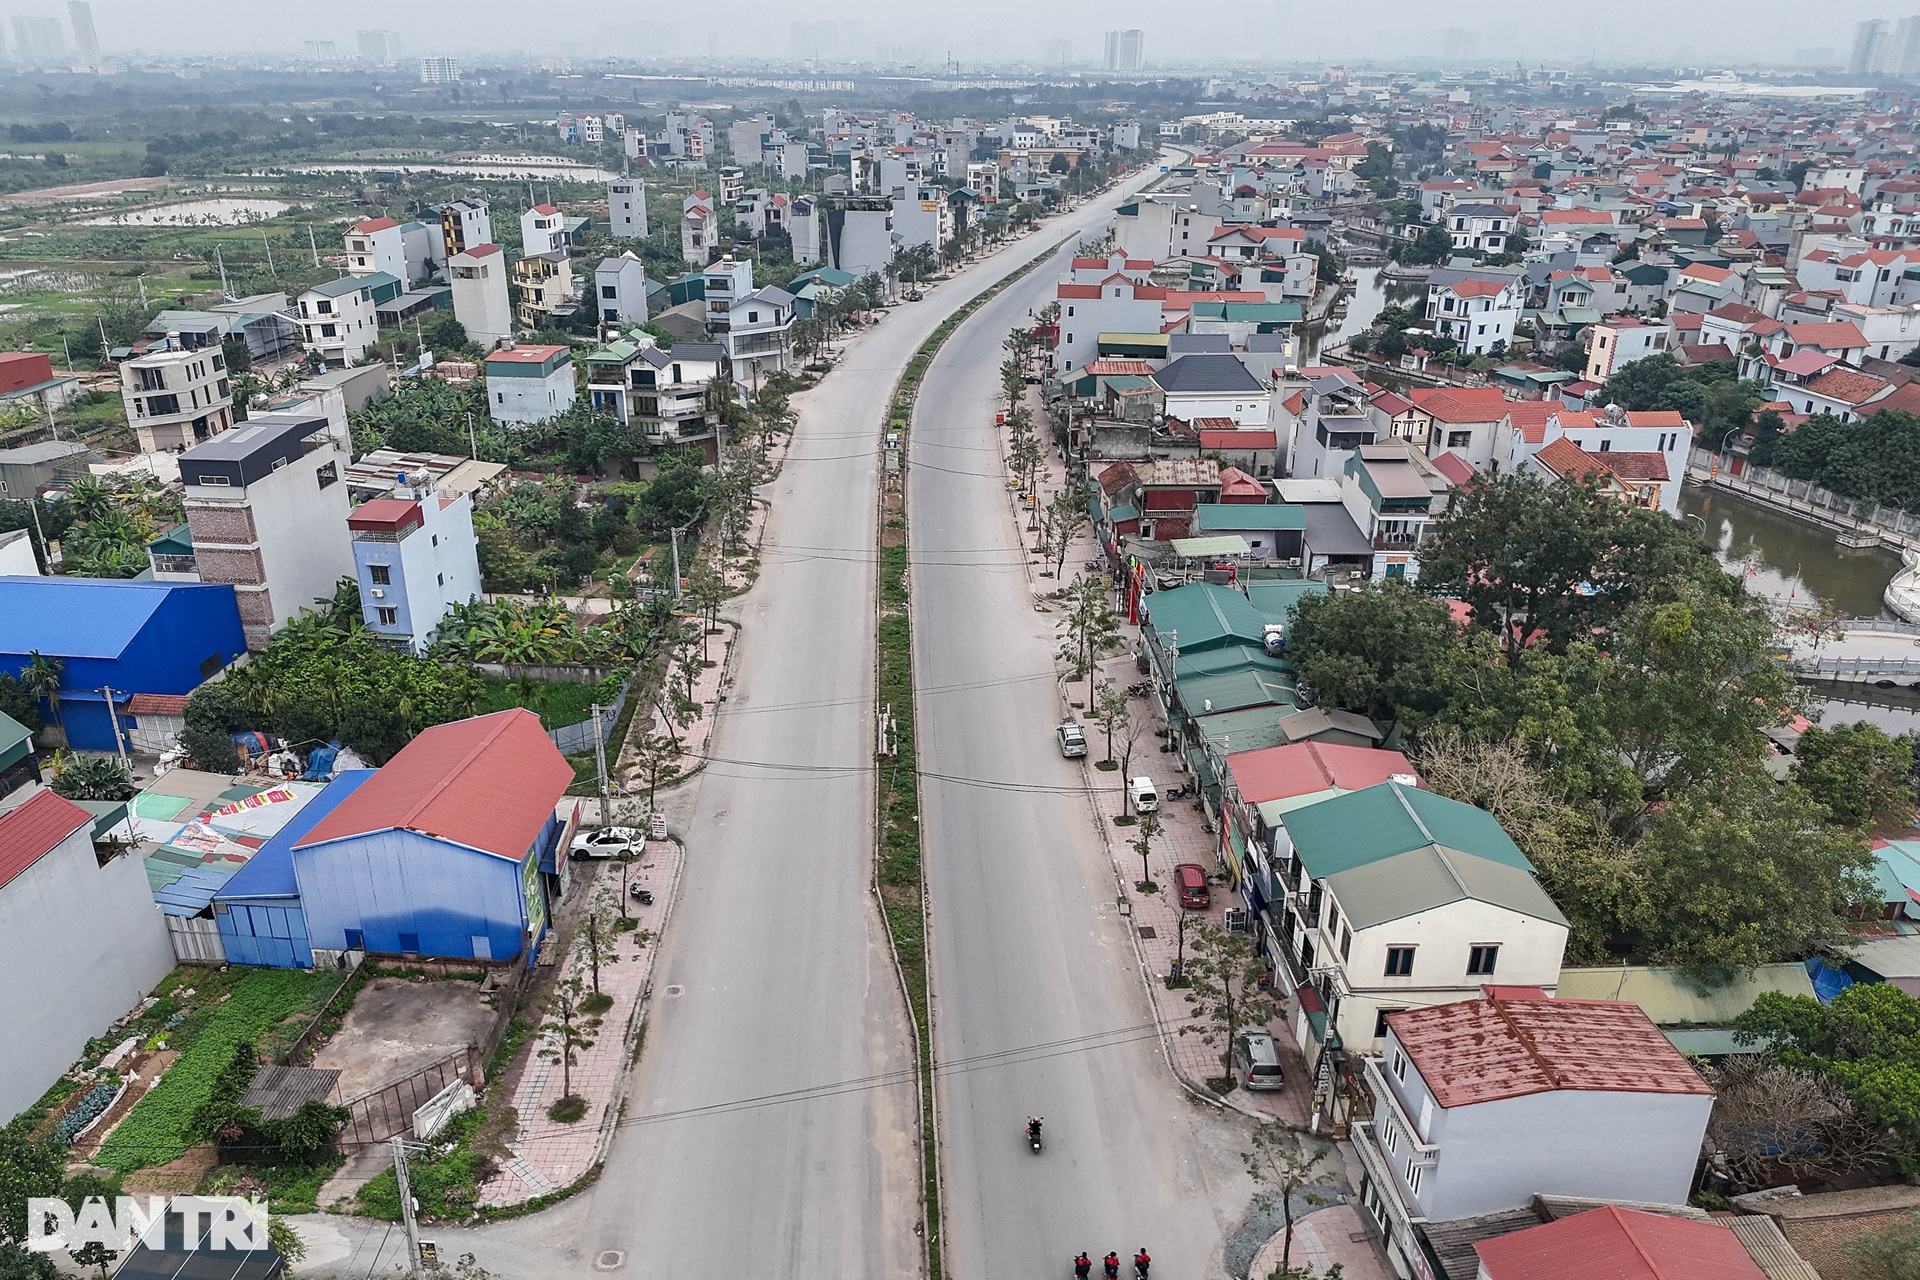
1390 819
16 741
1212 516
1233 691
1235 731
1427 877
614 353
1205 616
1275 599
1671 999
177 541
1706 1042
1249 312
1233 657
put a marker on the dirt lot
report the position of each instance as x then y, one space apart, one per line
397 1026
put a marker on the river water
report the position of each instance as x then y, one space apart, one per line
1368 296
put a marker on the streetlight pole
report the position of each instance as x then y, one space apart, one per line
1719 453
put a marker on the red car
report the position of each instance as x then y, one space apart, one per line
1192 882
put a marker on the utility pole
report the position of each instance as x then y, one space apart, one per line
676 562
269 244
473 445
66 347
402 1148
46 552
600 762
141 280
312 245
113 718
222 263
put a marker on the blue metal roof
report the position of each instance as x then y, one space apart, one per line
79 617
269 872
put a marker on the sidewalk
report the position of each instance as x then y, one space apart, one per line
1337 1235
546 1155
1195 1054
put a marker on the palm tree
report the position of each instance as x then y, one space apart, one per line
92 499
529 693
42 678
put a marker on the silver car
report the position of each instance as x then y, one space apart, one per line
1073 740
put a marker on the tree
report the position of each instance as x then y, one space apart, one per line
1374 651
92 778
1088 627
1283 1169
1767 1115
706 591
1066 516
563 1036
1222 979
599 947
42 678
1867 1039
18 1263
1433 244
28 1170
1143 845
18 702
657 756
1111 710
1859 772
1891 1253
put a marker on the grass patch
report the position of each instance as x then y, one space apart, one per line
567 1110
1106 766
445 1182
560 704
509 1045
288 1188
257 1001
1124 819
598 1002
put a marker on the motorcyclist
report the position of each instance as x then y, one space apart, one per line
1033 1126
1141 1262
1111 1265
1082 1266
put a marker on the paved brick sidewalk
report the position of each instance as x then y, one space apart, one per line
545 1154
1323 1239
1194 1053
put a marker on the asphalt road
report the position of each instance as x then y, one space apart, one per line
1039 1007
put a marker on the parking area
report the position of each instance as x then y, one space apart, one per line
397 1026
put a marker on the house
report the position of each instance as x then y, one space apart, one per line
27 377
481 303
1481 226
1213 386
1396 898
1482 1104
1479 315
699 228
465 225
175 397
1255 452
415 556
267 514
542 230
446 850
339 319
1612 1243
1115 304
1531 425
377 245
545 290
1462 420
1393 494
1271 530
665 391
80 937
529 382
1620 341
859 234
27 469
1637 479
627 209
620 290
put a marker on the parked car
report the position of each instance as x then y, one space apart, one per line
1073 740
1191 880
1256 1062
608 842
1145 798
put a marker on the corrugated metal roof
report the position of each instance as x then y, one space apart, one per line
1435 876
1619 1244
489 783
269 872
1390 819
1761 1237
1220 544
1204 615
1299 768
80 617
1233 690
1671 999
30 832
281 1091
1247 515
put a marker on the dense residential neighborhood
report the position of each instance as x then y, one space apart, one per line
833 658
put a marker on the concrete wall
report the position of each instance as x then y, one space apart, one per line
81 944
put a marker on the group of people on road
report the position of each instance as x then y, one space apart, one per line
1110 1265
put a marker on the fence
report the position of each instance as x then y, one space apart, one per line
1840 668
301 1050
196 941
1808 500
379 1114
506 1002
575 738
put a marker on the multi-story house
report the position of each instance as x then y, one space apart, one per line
859 234
1462 420
699 228
1481 226
529 382
414 556
1329 418
176 397
1479 1105
1117 303
758 335
921 215
1393 494
1395 898
464 225
803 228
339 319
377 244
267 513
1620 341
543 229
481 302
1477 314
665 391
620 290
545 289
1213 386
627 209
1636 479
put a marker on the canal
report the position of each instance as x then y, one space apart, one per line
1366 298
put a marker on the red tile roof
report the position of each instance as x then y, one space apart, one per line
1568 460
1611 1243
489 783
375 224
1530 417
1077 291
1238 440
524 353
1302 768
35 829
1482 1050
545 210
1461 404
157 704
1831 335
481 250
1235 483
1475 288
1633 465
1655 418
1109 367
1848 386
1455 468
1392 404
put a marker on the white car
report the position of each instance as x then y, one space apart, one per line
608 842
1145 798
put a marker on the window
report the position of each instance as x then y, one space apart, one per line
1380 1023
410 944
356 940
1346 944
609 291
381 574
443 579
1399 1065
387 617
1333 917
1459 439
1069 311
1399 962
1605 445
329 330
1481 959
1413 1175
210 666
1389 1134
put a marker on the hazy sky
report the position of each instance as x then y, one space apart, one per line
1001 31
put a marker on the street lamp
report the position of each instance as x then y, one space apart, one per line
1719 453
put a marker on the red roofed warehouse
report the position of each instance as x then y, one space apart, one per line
82 943
448 850
1483 1104
1611 1243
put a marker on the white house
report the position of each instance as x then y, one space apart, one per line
1479 315
1640 438
758 335
1462 420
542 230
699 228
339 321
1620 341
481 302
414 556
377 244
529 382
1482 1104
1214 386
1117 304
175 397
83 943
620 290
627 209
1482 226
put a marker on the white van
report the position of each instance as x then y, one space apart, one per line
1145 798
1256 1063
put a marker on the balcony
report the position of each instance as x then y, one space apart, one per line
1424 1153
174 564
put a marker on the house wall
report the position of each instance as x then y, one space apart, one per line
268 932
1083 320
81 944
436 565
480 301
1246 408
387 883
521 399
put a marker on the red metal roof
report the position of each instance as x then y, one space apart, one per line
524 353
375 224
1238 440
386 515
157 704
32 831
1235 483
1302 768
1499 1047
1455 468
545 210
489 783
1611 1243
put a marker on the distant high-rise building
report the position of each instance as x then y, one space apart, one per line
86 44
1126 50
439 70
1903 50
814 41
1059 54
320 50
39 40
382 48
1869 41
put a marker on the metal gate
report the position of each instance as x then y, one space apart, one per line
379 1114
196 940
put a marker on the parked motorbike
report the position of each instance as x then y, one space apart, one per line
1140 688
1033 1134
1178 793
640 894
